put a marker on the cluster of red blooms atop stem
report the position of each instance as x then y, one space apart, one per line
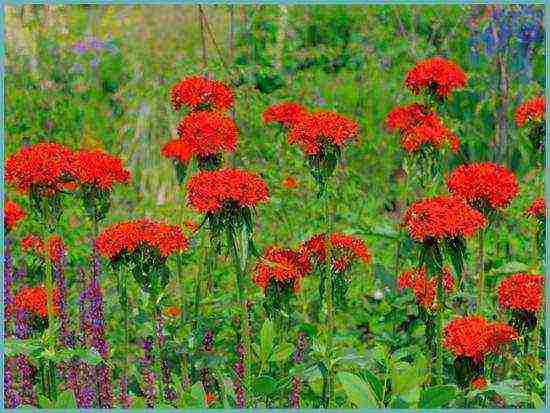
436 75
200 93
13 213
287 114
55 247
35 301
424 289
474 337
314 130
419 127
442 217
530 111
522 292
98 168
127 237
344 251
44 166
213 191
479 383
177 150
537 208
484 185
208 133
285 267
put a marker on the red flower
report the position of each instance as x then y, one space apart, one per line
197 92
474 337
480 383
44 165
208 133
210 399
419 126
98 168
484 184
522 292
532 110
437 75
290 183
286 113
537 208
442 217
344 250
191 225
55 246
316 129
423 288
35 301
13 213
126 237
179 150
282 266
172 311
212 191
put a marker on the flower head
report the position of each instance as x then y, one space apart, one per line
178 150
213 191
46 166
284 267
479 383
290 183
98 168
208 133
287 114
34 300
424 289
522 292
172 311
443 217
345 249
474 337
55 247
127 237
13 213
436 75
419 126
532 110
313 131
197 92
537 208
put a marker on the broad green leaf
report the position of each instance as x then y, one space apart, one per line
282 352
66 400
511 391
437 396
358 391
265 385
538 403
512 268
266 340
138 403
44 402
375 384
198 395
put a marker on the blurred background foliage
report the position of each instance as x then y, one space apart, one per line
99 77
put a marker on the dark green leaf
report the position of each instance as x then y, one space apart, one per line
437 396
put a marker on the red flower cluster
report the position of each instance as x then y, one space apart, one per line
537 208
179 150
212 191
290 183
419 126
424 289
484 184
437 75
197 92
44 165
13 213
344 250
532 110
283 266
522 292
55 247
98 168
208 133
287 114
474 337
314 130
35 300
126 237
479 383
442 217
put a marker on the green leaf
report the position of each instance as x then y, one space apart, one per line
512 268
13 347
198 395
44 402
138 403
511 391
437 396
375 384
358 391
265 385
282 352
266 340
66 400
538 403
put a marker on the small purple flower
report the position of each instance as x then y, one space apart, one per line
95 63
148 377
8 293
105 385
77 68
11 397
301 347
26 373
80 48
95 44
208 340
59 277
295 394
238 387
124 398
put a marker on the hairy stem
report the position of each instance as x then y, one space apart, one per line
481 270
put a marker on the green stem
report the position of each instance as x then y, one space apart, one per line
124 303
158 347
440 306
481 270
328 297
